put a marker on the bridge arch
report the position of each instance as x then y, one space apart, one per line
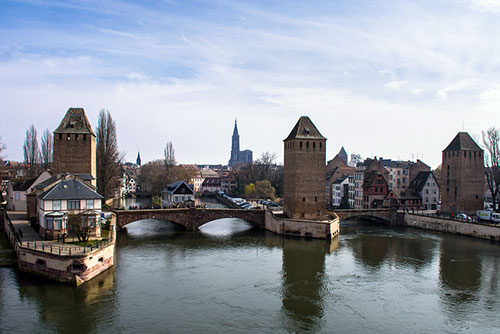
190 218
383 216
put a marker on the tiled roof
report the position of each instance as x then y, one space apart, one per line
462 142
70 189
75 121
305 129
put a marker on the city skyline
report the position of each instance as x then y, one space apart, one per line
393 81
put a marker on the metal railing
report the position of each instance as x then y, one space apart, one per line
59 249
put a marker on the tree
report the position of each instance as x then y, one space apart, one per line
265 190
31 151
250 191
108 157
491 142
2 148
79 223
169 155
47 149
261 169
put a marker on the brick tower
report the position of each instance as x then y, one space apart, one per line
75 145
462 176
305 157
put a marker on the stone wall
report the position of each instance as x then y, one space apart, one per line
450 226
190 218
462 182
302 228
75 155
304 179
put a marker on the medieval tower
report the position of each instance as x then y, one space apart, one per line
75 145
462 176
304 167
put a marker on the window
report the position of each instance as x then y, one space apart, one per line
74 205
303 199
57 223
50 223
84 137
69 137
56 205
89 204
76 137
60 136
17 196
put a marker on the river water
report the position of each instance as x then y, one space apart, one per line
230 278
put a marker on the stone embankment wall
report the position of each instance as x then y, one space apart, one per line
302 228
450 226
73 269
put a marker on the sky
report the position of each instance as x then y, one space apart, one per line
392 79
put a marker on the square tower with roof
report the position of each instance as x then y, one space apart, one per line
75 145
462 176
304 168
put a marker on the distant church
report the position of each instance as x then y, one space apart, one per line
238 157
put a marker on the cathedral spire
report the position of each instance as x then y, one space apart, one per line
235 131
138 161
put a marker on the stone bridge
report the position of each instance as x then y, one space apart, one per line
380 215
190 218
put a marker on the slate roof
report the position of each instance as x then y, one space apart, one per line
420 180
304 129
462 142
407 194
173 187
75 121
70 189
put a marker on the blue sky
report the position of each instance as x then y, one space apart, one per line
384 78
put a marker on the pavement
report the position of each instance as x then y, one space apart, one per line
31 239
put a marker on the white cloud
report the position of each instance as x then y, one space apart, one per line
442 94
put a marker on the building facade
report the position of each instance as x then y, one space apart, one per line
427 186
462 174
304 172
68 196
177 193
75 145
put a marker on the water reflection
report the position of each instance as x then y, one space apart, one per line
374 246
303 287
66 309
225 227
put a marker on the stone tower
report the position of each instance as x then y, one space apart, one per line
305 157
462 176
235 146
75 145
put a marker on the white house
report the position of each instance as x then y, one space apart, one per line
68 196
176 193
427 186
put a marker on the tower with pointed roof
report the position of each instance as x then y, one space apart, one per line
304 168
75 145
238 157
462 176
235 146
138 160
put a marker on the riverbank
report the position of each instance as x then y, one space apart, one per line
61 262
431 223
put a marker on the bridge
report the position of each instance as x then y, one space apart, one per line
379 215
190 218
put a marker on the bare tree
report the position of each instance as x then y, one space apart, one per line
31 151
108 157
491 142
169 154
2 148
79 224
47 149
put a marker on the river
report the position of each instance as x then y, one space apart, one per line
230 278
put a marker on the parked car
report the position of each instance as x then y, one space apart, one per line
463 216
